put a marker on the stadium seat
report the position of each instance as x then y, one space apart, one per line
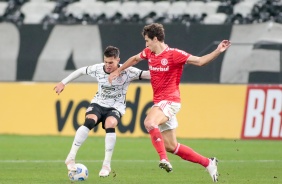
111 8
127 9
244 8
75 9
3 7
87 1
194 12
161 8
37 1
86 8
176 9
34 12
144 9
211 7
195 8
216 18
95 8
225 8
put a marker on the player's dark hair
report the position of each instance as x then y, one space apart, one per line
111 51
154 30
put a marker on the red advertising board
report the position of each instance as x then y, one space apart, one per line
262 117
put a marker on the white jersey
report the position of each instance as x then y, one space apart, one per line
112 95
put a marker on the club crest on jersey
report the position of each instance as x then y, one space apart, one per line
119 79
164 61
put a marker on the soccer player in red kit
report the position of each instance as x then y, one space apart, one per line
166 66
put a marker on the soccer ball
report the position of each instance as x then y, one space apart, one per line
81 173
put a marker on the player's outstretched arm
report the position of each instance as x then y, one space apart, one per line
130 62
203 60
61 85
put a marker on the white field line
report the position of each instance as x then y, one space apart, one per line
62 161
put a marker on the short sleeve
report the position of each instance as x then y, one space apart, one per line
90 70
133 73
180 56
145 53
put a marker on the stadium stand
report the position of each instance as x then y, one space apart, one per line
35 11
140 11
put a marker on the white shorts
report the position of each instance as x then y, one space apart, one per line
169 125
169 109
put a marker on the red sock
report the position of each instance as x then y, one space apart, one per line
158 143
189 154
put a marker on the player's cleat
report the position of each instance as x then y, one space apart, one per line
164 164
70 162
105 171
212 169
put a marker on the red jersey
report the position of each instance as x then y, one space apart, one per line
166 69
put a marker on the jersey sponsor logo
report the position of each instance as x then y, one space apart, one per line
262 119
159 69
109 92
113 96
107 89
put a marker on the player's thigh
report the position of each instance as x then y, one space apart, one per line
155 116
92 116
94 112
170 141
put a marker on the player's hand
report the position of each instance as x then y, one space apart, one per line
59 88
225 44
113 75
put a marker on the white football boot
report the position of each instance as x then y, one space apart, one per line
212 169
164 164
105 171
70 162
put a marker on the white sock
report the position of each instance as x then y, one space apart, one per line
80 136
110 141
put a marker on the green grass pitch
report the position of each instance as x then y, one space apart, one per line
40 159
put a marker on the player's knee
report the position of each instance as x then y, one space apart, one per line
89 123
169 149
149 125
111 123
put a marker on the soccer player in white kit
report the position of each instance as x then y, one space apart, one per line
166 67
107 106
